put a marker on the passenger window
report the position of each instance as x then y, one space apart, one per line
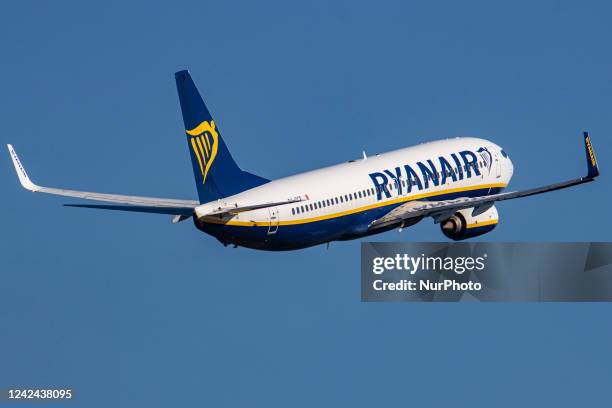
293 211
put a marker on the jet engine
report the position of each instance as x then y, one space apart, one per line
470 222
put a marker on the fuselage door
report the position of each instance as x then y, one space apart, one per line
497 165
274 220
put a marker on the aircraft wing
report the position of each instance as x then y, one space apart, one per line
182 209
441 210
131 203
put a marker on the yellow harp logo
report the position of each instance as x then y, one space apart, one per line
204 142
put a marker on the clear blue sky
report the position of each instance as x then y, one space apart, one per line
130 310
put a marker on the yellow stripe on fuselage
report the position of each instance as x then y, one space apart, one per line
213 220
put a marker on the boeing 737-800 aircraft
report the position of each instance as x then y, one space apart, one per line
456 182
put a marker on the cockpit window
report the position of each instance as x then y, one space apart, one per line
504 153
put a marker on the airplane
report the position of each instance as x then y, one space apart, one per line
456 182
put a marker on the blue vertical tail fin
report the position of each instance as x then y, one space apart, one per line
216 173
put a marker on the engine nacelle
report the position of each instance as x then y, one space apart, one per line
462 224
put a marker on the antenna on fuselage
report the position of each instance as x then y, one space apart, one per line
364 155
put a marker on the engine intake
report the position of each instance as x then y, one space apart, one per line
462 224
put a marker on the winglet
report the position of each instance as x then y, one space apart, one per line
21 173
593 170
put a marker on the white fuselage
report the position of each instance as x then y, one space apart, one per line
348 188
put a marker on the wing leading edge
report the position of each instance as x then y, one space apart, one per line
438 209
